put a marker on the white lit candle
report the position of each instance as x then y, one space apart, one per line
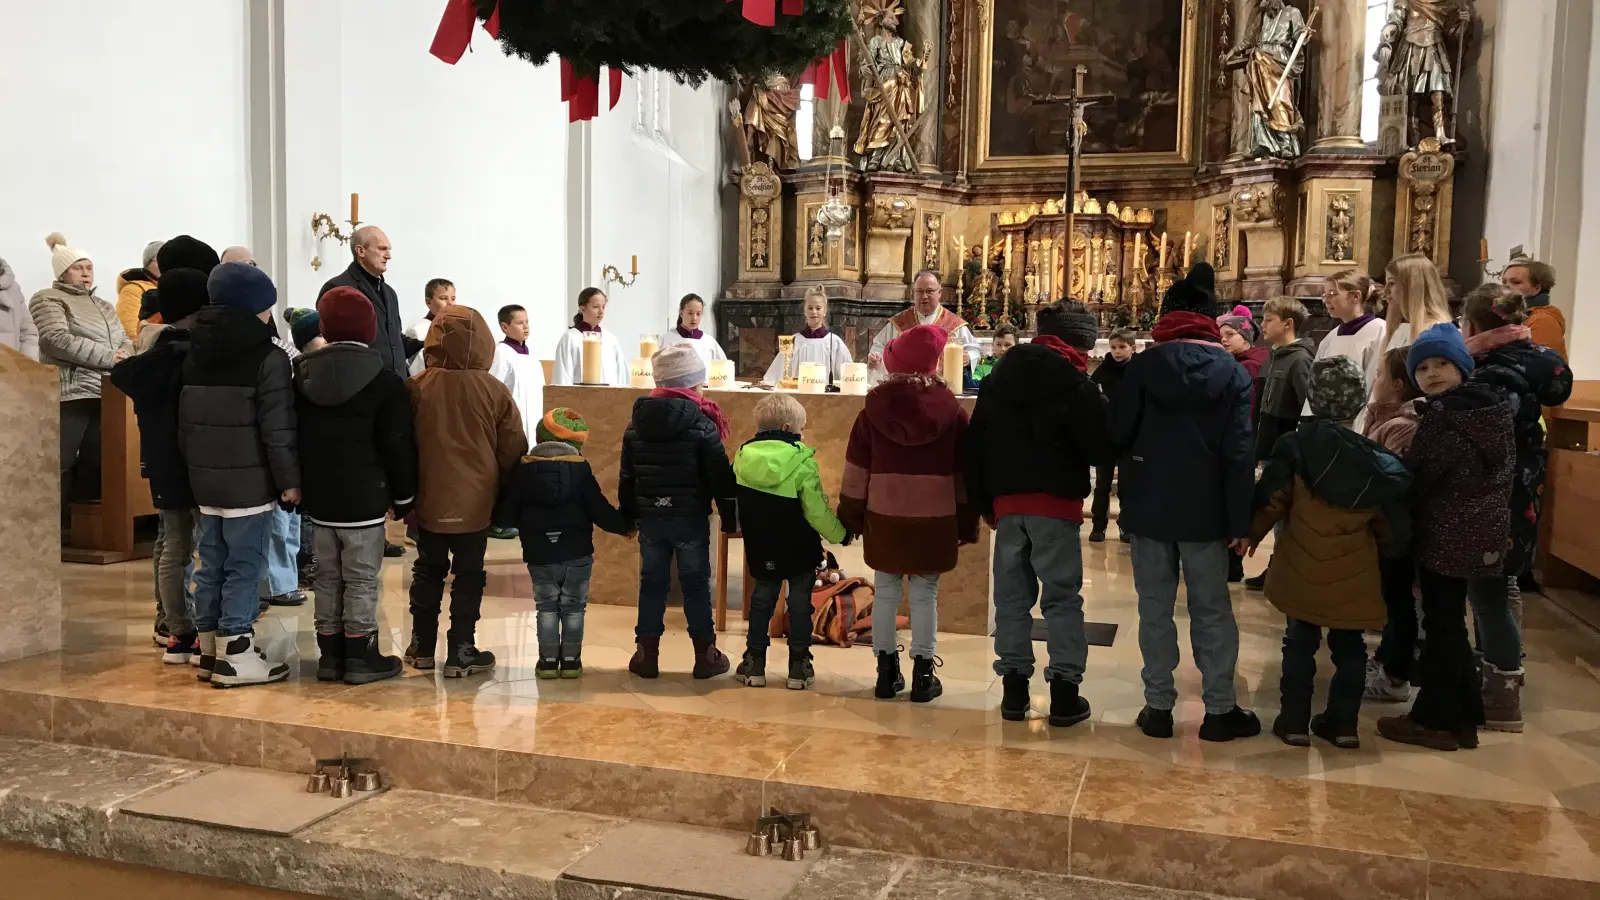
594 368
648 345
641 373
853 378
719 374
955 357
813 378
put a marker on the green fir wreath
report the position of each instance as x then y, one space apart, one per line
693 40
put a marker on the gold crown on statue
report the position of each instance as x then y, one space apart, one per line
880 12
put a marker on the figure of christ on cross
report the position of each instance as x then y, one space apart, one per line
1077 101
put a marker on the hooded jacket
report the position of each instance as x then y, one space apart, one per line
1037 429
1462 459
17 330
1108 375
904 486
1392 424
391 342
1342 499
236 425
1532 376
78 332
358 457
153 380
1254 360
674 464
1181 421
1285 387
784 508
132 285
1548 324
554 501
468 431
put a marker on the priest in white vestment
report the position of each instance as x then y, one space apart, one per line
690 310
925 310
569 350
814 343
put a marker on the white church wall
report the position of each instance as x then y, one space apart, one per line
462 166
123 123
1583 333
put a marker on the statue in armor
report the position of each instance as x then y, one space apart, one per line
1417 56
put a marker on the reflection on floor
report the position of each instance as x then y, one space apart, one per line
1382 799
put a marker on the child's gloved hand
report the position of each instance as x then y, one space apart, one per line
849 538
401 510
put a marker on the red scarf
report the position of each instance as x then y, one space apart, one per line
1482 343
1062 348
1186 326
707 406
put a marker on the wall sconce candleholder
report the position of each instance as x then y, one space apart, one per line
611 274
323 227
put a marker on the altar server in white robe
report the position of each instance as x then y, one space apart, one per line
925 310
439 293
690 310
569 351
814 343
518 369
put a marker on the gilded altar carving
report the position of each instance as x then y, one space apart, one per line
1255 203
765 121
760 211
932 241
1340 228
1421 233
893 91
1424 201
816 239
1221 236
891 212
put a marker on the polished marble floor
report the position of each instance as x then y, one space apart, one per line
1555 762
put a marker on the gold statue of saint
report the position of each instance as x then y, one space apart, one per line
1271 68
766 123
893 94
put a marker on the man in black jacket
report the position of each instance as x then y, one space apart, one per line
359 463
236 430
1038 427
153 378
370 246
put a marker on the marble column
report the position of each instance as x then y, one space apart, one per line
922 26
30 530
1341 38
1239 122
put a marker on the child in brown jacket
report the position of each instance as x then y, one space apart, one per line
469 436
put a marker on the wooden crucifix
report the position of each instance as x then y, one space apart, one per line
1077 101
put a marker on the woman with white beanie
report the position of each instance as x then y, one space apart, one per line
80 333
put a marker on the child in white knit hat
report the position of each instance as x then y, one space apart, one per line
673 467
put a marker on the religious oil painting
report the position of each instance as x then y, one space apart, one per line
1135 51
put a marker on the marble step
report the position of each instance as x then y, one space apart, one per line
415 845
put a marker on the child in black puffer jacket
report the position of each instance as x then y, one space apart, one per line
554 502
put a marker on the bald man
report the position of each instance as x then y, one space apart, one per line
239 254
370 247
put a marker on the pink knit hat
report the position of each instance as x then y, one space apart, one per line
916 352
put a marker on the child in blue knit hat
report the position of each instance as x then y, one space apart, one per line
1461 460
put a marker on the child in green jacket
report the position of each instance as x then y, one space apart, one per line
785 517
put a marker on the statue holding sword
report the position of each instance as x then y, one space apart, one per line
1272 58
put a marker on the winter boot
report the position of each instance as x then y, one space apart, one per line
925 685
206 642
801 672
1097 535
424 638
238 664
1066 707
1235 723
709 662
1405 730
646 661
1156 723
180 649
330 657
571 660
890 681
1293 730
364 661
1502 699
464 659
1342 736
1014 702
752 671
549 665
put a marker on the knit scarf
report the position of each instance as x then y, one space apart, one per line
1354 325
707 406
694 335
1540 299
1068 352
1480 344
815 334
1182 325
519 346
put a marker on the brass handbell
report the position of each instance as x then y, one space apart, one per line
341 787
758 844
317 783
810 837
794 849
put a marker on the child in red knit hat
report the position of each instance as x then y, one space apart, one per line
903 492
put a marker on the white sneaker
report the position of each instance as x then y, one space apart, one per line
239 663
1382 688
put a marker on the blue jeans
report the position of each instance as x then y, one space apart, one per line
283 570
233 553
921 593
764 601
1498 637
1030 551
1349 651
688 540
560 595
1213 633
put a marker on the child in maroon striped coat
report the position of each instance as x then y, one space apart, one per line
904 494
